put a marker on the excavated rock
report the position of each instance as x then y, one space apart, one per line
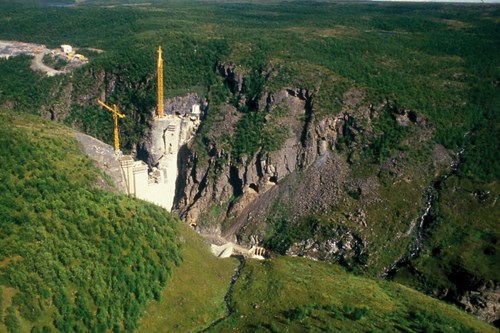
156 143
104 157
306 175
216 182
182 105
309 145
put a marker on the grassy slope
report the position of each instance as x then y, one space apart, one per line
195 294
293 295
298 295
465 252
283 293
66 246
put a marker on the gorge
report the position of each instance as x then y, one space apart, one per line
355 140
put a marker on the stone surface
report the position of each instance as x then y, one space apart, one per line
484 303
343 247
104 157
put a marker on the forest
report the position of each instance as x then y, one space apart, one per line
68 245
450 75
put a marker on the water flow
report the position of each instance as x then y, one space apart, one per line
426 219
227 297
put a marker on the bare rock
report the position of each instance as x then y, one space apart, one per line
484 303
342 246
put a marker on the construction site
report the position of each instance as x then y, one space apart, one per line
156 182
43 57
170 130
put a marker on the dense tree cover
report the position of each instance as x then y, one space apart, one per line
74 258
56 63
22 88
433 58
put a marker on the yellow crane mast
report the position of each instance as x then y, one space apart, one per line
116 114
160 83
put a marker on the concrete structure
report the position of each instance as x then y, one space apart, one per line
143 184
223 251
127 165
257 252
66 49
157 185
195 110
228 249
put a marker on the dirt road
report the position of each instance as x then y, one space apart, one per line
38 65
9 48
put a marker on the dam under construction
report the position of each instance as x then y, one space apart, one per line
150 172
156 182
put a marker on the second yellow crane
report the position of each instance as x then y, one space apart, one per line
116 114
160 83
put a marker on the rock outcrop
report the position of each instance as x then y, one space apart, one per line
345 247
241 198
484 303
222 177
161 146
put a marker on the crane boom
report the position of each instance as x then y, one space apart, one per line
116 114
160 83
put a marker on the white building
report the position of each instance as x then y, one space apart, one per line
195 110
66 48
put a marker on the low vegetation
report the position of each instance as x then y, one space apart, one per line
298 295
462 255
291 294
194 296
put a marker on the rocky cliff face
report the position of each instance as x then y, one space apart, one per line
341 187
311 173
252 176
168 135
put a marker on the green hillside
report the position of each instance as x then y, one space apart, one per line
194 296
286 294
297 295
73 258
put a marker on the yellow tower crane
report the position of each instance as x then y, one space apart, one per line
160 83
116 114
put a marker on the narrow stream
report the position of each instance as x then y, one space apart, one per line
426 220
227 297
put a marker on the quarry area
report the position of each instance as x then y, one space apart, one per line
44 59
